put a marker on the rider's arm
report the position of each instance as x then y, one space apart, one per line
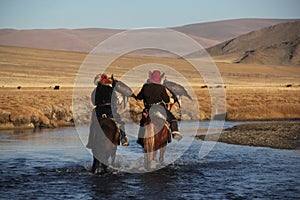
93 97
164 95
140 95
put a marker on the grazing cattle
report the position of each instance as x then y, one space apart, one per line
56 87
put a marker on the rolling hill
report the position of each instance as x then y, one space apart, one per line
84 40
273 45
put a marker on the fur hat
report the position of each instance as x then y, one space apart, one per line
102 79
155 76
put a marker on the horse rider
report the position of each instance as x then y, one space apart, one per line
102 99
154 93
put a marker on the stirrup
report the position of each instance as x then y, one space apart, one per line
124 141
176 135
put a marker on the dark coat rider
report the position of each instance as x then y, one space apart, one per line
154 93
102 98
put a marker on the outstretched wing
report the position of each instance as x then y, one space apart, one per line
173 96
176 89
122 88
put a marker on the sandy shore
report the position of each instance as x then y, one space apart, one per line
281 135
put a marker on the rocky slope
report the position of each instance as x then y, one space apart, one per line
274 45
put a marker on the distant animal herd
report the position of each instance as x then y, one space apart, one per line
56 87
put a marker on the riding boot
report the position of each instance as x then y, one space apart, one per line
95 165
124 140
174 129
141 135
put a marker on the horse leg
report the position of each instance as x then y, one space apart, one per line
95 165
154 155
165 134
148 152
162 154
148 145
113 156
98 167
147 156
103 168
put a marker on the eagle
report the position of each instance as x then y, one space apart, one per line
123 89
176 89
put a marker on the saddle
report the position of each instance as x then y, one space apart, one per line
146 119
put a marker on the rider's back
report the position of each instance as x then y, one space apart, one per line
153 93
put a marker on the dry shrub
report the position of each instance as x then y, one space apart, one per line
26 117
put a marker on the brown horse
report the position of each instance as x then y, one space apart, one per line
157 136
104 139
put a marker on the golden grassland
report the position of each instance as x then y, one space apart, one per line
253 92
32 107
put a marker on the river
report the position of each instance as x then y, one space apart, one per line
54 164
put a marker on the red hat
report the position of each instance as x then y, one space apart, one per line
155 76
102 79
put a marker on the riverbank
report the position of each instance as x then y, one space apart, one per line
28 98
35 107
281 135
44 107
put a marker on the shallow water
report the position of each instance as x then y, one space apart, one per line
55 164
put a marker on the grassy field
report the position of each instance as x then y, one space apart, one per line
253 92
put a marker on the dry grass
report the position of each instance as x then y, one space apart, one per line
35 107
253 92
37 67
263 104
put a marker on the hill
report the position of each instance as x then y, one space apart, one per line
274 45
84 40
220 31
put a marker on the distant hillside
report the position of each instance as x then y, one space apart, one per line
84 40
220 31
275 45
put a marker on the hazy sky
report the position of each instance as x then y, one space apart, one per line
128 14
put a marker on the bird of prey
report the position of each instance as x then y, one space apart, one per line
122 88
176 89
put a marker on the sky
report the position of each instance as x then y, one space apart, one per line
132 14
